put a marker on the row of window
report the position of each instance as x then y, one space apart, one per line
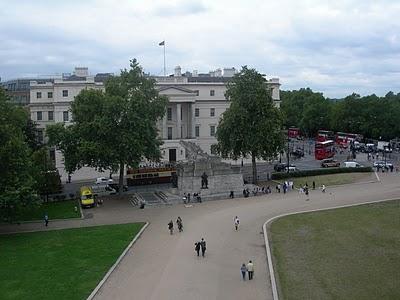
196 131
50 94
196 113
50 116
212 92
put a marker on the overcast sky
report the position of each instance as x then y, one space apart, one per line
335 47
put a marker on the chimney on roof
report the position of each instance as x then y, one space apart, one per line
195 74
177 72
229 72
81 71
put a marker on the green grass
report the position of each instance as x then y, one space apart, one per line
348 253
55 210
329 180
60 264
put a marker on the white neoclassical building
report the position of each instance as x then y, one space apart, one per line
196 102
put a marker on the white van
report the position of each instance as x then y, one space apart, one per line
103 190
351 164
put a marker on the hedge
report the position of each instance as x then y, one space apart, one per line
283 175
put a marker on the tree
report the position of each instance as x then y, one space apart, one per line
16 182
315 114
252 125
48 180
115 128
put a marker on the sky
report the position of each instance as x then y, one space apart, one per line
334 47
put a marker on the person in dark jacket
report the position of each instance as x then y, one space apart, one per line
197 248
203 246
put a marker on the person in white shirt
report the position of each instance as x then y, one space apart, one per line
236 222
250 269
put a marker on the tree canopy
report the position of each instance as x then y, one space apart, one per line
252 125
114 128
372 116
17 183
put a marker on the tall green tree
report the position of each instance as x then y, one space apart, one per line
315 114
252 125
115 128
17 185
48 180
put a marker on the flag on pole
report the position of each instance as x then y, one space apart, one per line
161 43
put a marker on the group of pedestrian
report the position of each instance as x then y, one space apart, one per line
201 245
187 197
249 269
179 224
285 187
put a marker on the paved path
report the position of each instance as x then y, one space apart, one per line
160 266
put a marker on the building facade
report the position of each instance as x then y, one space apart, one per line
196 102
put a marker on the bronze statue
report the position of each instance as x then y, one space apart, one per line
204 181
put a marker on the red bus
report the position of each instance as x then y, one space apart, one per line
343 139
293 132
325 135
324 149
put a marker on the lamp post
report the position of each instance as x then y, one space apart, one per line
288 140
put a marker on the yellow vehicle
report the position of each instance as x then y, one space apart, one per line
86 197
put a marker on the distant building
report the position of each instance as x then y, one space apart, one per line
18 90
196 102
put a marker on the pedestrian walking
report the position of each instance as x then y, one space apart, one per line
46 219
203 246
188 197
179 223
313 185
197 248
236 222
243 269
231 195
184 199
171 227
323 188
250 269
278 187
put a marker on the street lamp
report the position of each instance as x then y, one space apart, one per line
288 140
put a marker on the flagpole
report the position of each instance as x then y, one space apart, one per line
164 60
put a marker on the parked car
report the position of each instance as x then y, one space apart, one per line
330 163
352 164
279 167
291 169
103 180
115 186
382 164
282 167
297 153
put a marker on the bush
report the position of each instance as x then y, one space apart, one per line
305 173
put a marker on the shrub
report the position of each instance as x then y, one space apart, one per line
305 173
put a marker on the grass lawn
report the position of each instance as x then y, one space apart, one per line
330 179
55 210
60 264
348 253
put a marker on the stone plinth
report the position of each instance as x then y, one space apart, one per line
222 178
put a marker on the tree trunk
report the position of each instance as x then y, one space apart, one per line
254 165
121 178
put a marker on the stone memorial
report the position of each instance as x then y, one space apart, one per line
207 175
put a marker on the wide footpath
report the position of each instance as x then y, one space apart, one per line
161 266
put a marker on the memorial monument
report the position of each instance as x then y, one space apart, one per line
207 175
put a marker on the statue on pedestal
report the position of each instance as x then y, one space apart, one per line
204 181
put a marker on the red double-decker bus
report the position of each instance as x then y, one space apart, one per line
325 149
293 132
325 135
343 138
